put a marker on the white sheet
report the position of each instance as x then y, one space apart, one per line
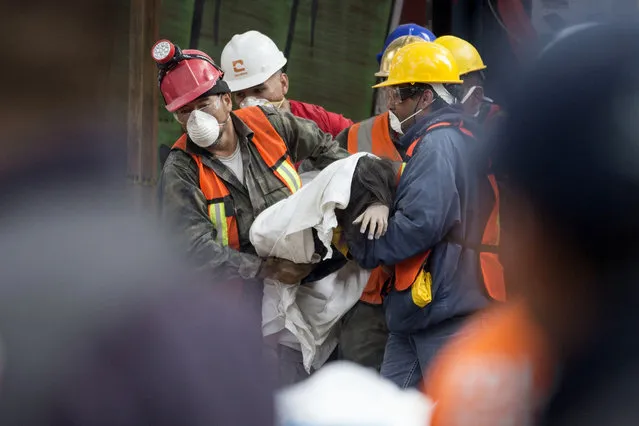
310 312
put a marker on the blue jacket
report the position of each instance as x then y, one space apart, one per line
443 196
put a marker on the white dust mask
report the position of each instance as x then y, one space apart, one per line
203 128
395 124
255 101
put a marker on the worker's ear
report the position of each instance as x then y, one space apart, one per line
284 82
426 98
479 94
227 101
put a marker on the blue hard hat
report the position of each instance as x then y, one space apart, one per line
404 30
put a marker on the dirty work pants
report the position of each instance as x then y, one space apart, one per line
407 356
363 335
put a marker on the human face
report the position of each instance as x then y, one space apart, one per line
403 105
219 106
273 90
472 95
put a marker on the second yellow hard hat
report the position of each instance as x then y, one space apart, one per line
467 57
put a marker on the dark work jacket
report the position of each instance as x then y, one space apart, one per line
443 194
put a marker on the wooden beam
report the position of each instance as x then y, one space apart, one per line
143 96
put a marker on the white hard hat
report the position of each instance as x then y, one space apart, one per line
250 59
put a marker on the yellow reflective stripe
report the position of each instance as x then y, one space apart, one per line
401 169
290 176
217 213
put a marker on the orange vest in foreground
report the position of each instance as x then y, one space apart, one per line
413 272
273 151
373 136
498 370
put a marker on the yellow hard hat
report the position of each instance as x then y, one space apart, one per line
467 57
392 48
422 63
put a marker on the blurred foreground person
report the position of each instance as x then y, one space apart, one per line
571 163
498 370
98 325
346 394
105 329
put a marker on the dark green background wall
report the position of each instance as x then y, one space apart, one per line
336 72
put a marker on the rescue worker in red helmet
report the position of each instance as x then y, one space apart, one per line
226 169
253 69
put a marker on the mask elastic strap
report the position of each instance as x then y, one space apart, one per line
468 94
416 112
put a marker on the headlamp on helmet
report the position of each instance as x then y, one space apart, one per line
167 55
163 51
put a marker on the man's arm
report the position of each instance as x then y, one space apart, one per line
426 208
337 122
305 140
184 209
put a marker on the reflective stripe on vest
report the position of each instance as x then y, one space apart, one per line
222 222
408 272
373 135
270 146
272 149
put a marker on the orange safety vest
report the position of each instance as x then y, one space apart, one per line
373 136
415 269
275 154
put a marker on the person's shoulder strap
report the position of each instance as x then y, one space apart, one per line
268 141
459 125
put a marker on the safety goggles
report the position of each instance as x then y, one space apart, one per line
210 106
397 95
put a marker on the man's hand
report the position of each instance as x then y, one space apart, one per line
375 218
284 270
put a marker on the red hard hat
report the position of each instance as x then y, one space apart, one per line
188 79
